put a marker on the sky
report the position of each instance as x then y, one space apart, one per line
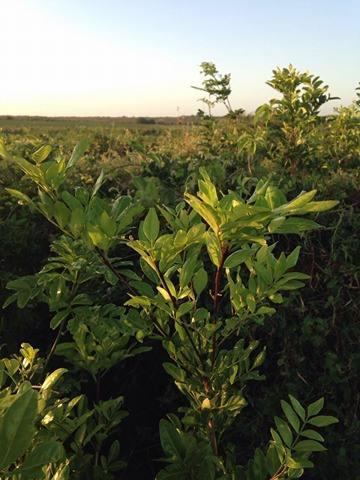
140 57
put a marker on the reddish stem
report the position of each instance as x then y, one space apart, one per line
211 427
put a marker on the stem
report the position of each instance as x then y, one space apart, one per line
211 423
212 436
279 473
173 301
159 327
217 283
228 105
73 292
191 340
54 345
217 298
249 160
106 261
282 469
211 427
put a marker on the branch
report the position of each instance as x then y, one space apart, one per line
106 261
217 288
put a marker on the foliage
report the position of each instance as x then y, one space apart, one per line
199 324
31 449
75 294
290 120
100 335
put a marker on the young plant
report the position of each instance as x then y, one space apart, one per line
215 273
290 120
74 283
224 144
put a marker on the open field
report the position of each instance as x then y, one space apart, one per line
35 124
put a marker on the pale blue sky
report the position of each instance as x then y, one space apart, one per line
138 57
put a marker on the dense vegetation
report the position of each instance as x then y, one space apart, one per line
163 290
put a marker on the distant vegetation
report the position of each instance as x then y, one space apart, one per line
20 121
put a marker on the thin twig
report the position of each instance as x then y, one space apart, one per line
105 259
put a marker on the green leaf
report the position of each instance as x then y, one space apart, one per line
276 298
61 214
181 332
313 435
41 153
12 365
138 301
213 247
170 439
141 287
323 421
58 318
53 378
292 259
277 439
309 446
187 271
71 201
260 358
265 311
321 206
46 206
98 237
17 428
77 221
3 151
205 211
284 430
238 257
272 459
151 226
200 281
275 224
297 225
264 273
19 195
78 152
83 195
299 409
107 224
98 184
184 309
235 403
291 416
53 175
174 371
164 293
114 451
298 202
28 168
315 407
207 190
43 454
274 197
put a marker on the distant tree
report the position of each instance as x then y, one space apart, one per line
146 120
